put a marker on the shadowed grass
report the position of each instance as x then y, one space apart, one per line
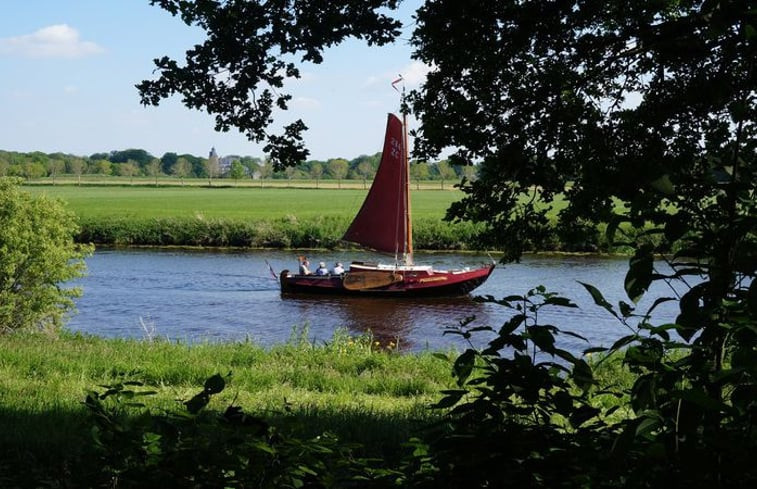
347 387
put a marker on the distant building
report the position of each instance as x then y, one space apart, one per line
213 160
224 164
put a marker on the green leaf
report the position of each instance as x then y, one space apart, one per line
451 397
542 338
582 375
646 426
560 301
612 228
463 366
620 343
598 298
582 415
625 309
639 276
215 384
702 399
198 402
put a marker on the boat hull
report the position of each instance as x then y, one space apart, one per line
405 282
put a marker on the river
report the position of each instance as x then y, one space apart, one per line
195 296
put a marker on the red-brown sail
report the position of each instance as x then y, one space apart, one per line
381 222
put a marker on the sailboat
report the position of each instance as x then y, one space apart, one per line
384 224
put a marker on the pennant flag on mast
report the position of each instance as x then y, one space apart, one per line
395 82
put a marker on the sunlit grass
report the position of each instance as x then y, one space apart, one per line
229 203
350 386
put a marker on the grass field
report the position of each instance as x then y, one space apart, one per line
349 386
269 217
229 202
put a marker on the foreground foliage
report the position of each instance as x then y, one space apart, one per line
37 255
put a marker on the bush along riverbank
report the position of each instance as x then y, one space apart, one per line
318 232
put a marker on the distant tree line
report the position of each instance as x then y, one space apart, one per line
139 163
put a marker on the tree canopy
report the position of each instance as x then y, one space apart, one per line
610 100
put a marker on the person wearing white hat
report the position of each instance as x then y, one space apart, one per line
322 270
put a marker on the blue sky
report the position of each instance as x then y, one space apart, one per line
68 70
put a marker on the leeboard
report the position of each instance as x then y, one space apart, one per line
369 280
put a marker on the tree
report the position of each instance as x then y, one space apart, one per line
469 172
419 172
54 167
33 169
153 169
338 169
36 234
365 170
167 162
181 169
266 171
76 166
316 170
289 172
445 171
212 169
650 104
128 169
102 167
252 165
237 170
140 156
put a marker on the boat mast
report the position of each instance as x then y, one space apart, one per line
406 162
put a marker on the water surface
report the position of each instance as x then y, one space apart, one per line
230 296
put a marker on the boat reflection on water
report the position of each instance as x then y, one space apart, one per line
390 320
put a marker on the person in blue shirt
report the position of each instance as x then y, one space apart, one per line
322 270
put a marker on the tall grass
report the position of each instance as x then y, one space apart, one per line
287 232
349 386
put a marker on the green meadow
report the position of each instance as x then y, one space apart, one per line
252 203
267 217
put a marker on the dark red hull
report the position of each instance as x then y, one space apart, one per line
414 283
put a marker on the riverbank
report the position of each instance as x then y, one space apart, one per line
363 392
350 386
274 218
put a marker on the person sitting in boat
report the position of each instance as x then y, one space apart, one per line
304 266
338 269
322 270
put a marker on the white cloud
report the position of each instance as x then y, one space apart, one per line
70 89
415 73
55 41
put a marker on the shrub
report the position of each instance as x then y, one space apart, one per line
37 255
